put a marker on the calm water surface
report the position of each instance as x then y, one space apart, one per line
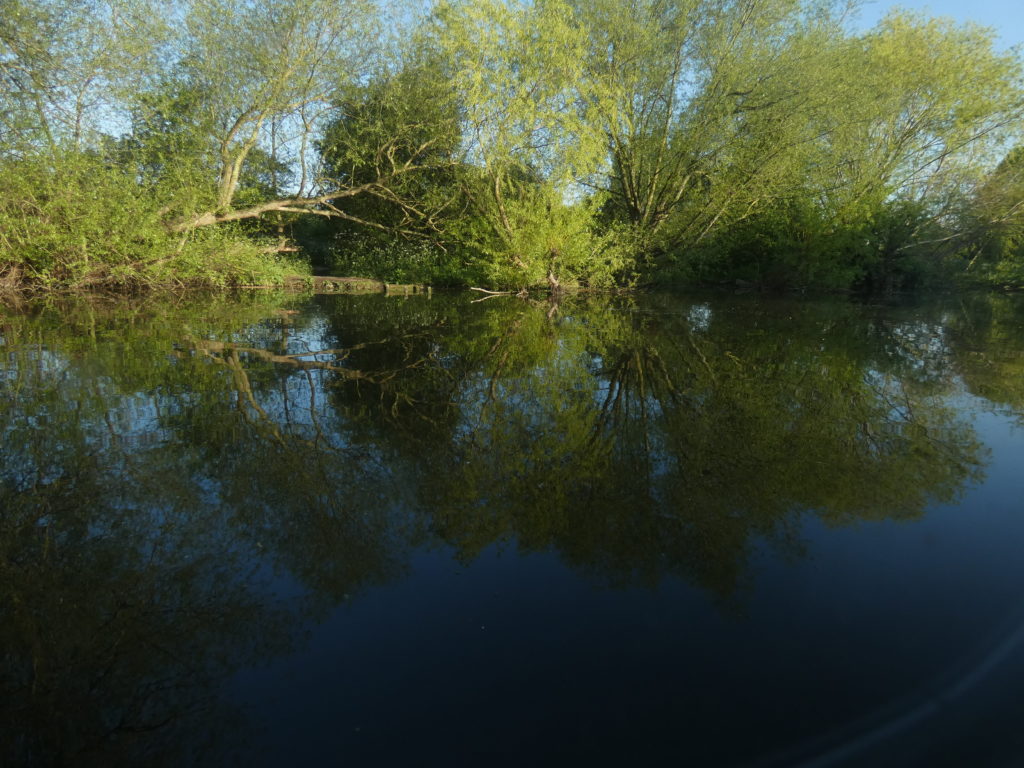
370 531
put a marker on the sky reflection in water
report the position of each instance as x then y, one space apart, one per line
369 530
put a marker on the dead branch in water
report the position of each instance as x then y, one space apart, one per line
492 293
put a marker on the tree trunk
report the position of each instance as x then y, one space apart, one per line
553 283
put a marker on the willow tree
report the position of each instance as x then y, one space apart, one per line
67 65
520 70
993 225
265 72
919 110
702 103
932 105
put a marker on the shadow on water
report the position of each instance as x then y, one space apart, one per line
166 469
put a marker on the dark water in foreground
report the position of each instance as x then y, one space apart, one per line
426 531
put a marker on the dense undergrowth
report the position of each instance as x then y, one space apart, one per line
82 225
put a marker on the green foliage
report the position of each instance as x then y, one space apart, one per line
519 68
794 245
546 241
392 121
994 253
773 146
394 260
402 126
786 245
79 223
517 144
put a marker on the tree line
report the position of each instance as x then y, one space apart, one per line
507 143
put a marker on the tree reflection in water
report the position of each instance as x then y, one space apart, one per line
162 466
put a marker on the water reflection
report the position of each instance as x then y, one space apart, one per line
986 340
164 465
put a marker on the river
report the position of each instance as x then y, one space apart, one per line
276 529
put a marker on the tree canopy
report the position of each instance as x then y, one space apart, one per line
517 143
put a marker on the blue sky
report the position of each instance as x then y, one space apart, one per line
1005 16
